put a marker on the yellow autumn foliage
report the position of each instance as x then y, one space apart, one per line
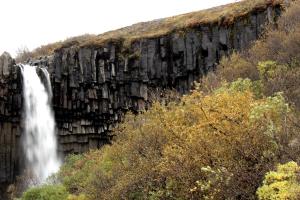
281 184
213 145
203 147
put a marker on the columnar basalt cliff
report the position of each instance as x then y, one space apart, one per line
93 86
10 121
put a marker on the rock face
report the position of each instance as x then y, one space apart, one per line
94 86
10 108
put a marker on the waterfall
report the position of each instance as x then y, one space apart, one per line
39 143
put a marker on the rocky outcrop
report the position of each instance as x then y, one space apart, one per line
10 109
94 86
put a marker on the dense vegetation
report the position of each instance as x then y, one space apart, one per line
228 139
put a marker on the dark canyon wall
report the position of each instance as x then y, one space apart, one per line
94 86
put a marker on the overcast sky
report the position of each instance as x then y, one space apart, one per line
32 23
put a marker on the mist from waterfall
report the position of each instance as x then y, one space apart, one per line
40 142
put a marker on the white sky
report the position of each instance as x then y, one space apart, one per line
32 23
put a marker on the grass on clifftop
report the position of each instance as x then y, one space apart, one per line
226 14
220 15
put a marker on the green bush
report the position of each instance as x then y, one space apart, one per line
46 192
242 85
77 171
282 184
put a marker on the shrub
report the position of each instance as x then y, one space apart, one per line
76 171
242 85
274 59
46 192
80 197
280 44
281 78
281 184
237 66
212 146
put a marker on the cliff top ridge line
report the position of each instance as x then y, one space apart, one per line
221 15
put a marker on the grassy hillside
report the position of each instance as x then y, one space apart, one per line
218 142
225 15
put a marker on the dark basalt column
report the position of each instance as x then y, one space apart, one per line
94 86
10 115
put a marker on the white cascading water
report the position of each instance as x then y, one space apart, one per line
40 143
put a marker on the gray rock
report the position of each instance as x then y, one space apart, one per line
6 63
